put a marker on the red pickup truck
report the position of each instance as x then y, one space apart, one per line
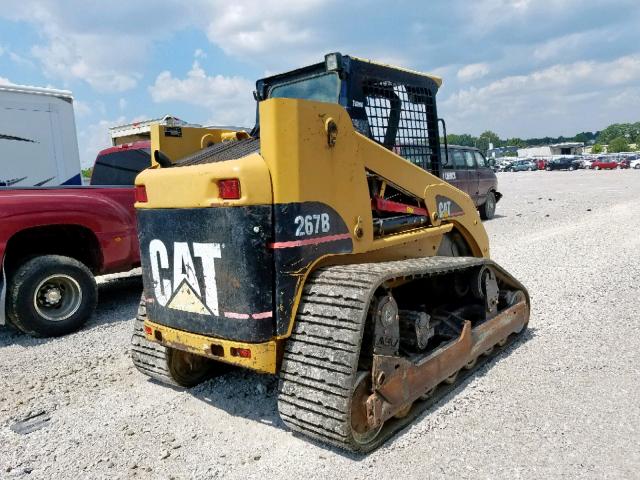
54 240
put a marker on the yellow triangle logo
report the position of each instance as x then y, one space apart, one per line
185 299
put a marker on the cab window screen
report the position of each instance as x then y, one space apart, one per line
321 88
401 118
120 168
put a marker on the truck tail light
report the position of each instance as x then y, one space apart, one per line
229 189
141 194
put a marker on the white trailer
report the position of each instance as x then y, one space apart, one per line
38 141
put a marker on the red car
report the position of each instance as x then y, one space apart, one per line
54 240
604 164
541 163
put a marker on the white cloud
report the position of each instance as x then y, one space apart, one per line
94 138
106 47
281 29
65 59
550 100
122 104
5 81
81 108
20 60
199 53
229 98
473 71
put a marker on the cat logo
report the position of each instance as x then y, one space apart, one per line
183 291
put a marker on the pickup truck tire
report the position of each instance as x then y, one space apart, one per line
51 295
488 208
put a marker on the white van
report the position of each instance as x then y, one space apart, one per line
38 142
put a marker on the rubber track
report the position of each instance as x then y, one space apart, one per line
148 357
320 359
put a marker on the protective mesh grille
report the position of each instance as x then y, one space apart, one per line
401 117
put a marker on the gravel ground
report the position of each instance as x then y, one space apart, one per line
562 403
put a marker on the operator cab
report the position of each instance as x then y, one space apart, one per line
394 107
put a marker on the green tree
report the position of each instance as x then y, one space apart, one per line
613 131
515 142
618 144
86 172
597 148
582 137
464 139
486 138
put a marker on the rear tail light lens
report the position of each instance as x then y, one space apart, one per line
229 189
240 352
141 194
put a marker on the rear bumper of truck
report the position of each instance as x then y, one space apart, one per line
262 357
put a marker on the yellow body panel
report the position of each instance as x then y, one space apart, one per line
191 140
296 164
196 186
305 168
264 356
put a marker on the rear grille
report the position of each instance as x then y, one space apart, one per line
221 152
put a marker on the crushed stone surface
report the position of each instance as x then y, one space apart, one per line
564 402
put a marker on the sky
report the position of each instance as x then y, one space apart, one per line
522 68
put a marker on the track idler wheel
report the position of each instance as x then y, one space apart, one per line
363 434
514 297
187 369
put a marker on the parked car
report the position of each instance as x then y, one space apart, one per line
54 240
522 165
586 163
562 163
502 164
604 163
541 163
623 163
635 164
468 169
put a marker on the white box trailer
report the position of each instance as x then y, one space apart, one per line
38 141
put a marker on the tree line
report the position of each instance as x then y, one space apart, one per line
617 136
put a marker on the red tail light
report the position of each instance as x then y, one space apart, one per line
141 194
240 352
229 189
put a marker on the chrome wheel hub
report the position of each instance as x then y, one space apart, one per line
53 296
57 297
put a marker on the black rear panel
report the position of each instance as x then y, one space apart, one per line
209 270
221 151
